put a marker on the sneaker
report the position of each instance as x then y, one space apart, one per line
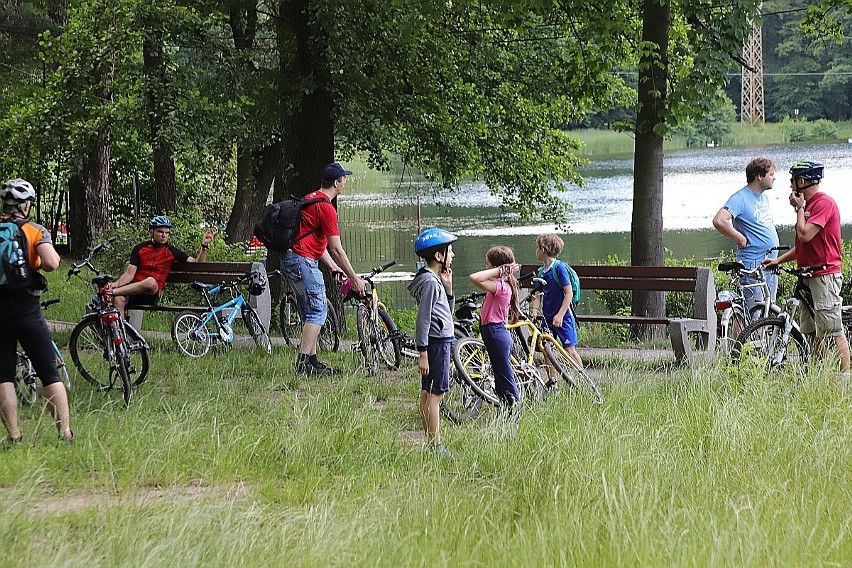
326 369
441 450
14 441
305 368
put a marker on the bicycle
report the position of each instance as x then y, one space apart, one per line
731 304
291 322
104 347
378 336
25 375
194 334
776 344
461 403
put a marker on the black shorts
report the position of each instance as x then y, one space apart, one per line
143 300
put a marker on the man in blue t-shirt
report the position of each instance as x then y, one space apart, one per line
745 219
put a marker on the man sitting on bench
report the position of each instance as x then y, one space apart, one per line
150 263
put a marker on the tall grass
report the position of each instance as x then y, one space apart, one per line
234 461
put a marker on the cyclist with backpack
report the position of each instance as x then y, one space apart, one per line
317 240
26 248
143 280
557 300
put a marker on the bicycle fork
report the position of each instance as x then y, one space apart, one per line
779 344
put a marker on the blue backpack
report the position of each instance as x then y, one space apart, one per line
573 279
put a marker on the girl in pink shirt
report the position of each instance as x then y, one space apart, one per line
500 306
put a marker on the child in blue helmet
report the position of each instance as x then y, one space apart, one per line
432 289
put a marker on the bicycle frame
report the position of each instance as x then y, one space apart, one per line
224 325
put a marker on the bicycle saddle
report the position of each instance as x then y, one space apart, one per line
200 286
730 266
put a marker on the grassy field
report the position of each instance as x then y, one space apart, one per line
601 143
232 460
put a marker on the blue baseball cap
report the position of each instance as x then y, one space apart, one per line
334 171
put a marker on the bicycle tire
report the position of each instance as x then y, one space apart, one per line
471 361
388 341
88 353
735 326
140 357
26 387
531 385
256 330
461 403
760 349
329 337
570 371
191 335
366 333
122 367
520 342
288 319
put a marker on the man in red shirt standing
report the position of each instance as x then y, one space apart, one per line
818 243
317 240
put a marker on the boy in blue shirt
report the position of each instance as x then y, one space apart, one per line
434 335
556 303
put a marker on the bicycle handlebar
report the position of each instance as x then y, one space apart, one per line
801 272
381 268
45 304
87 262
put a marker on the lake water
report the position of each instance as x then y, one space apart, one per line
379 212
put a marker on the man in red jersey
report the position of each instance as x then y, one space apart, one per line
818 243
317 240
150 263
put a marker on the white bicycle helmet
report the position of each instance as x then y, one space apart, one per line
17 191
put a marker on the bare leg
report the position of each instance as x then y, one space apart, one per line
430 416
842 348
310 336
576 356
120 293
57 403
9 409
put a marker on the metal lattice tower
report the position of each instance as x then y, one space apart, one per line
751 101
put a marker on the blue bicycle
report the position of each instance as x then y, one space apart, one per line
195 333
25 375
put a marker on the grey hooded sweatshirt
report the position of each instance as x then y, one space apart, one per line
434 308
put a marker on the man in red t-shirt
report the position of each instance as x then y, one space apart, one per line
150 263
818 243
318 240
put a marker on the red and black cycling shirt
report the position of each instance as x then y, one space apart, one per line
156 261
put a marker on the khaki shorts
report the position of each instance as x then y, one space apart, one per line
828 305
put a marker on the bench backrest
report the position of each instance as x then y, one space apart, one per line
207 272
699 281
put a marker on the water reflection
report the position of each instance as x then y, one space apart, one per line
696 185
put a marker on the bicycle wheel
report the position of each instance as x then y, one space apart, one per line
388 340
737 322
25 380
122 367
471 361
191 335
520 342
288 318
256 330
531 385
761 350
329 337
566 367
139 354
62 368
89 353
460 404
366 332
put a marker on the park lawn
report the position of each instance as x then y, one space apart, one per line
231 460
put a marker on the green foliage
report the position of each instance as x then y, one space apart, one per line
713 127
806 131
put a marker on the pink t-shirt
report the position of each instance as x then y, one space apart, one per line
826 246
495 308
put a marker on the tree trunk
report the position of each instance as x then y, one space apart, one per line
256 171
156 94
646 236
89 198
307 133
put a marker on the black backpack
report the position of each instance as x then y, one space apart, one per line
279 223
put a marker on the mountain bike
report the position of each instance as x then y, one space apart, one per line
195 333
732 304
25 375
378 336
291 322
775 345
104 347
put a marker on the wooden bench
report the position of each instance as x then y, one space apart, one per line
698 281
209 273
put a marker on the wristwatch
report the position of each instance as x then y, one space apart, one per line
205 246
796 208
